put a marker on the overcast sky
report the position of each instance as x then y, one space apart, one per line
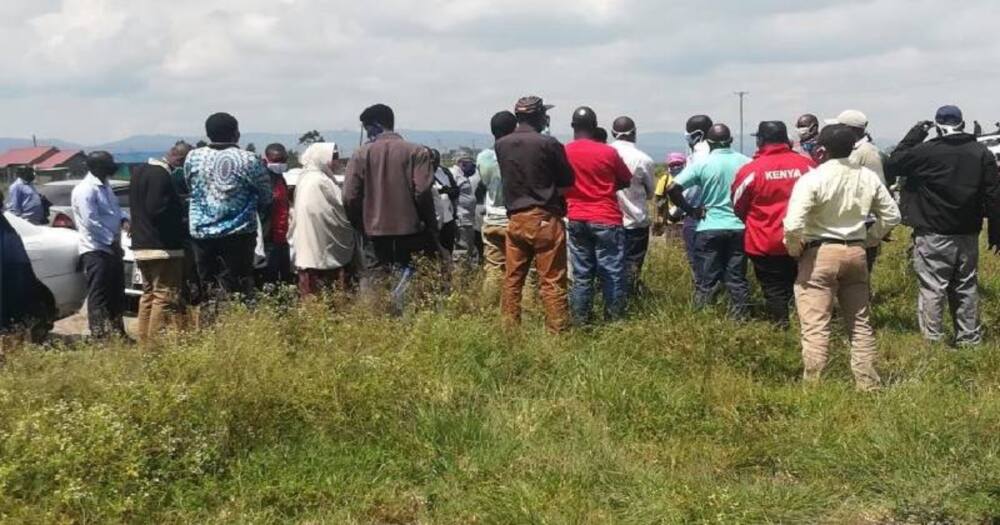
98 70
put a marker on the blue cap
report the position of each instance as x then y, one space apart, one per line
949 116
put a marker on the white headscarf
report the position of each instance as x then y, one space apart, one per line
317 157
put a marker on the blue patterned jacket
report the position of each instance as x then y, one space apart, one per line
229 187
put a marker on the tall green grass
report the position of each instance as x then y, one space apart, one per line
329 413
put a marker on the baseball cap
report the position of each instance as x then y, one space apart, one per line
772 131
531 105
676 158
949 116
852 118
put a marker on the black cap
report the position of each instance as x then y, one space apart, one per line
838 139
531 105
584 118
772 132
949 116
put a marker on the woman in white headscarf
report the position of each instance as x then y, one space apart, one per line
324 241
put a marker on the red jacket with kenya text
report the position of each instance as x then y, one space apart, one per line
760 196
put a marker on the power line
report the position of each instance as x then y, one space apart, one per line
742 95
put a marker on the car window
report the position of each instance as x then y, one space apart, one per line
122 194
58 195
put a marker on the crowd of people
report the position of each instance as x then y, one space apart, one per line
807 215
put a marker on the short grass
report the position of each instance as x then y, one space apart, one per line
331 414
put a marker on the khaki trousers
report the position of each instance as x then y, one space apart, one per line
495 259
161 305
827 272
537 236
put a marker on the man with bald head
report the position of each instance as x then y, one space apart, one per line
99 221
634 200
159 233
718 250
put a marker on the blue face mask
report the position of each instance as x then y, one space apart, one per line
694 137
373 131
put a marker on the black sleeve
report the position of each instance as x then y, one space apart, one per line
991 200
905 158
563 170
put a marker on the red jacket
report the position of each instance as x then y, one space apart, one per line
598 173
760 196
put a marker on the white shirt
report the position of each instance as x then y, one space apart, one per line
868 155
832 202
320 231
97 216
634 199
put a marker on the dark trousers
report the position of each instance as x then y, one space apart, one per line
225 264
393 261
105 274
776 274
689 231
636 246
722 261
447 235
279 265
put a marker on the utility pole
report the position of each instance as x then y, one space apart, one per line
741 94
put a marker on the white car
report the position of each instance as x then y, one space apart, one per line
992 142
55 258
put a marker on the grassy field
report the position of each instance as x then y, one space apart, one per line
314 414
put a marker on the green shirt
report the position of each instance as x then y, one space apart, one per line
489 171
715 176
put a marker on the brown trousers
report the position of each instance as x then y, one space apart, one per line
161 305
537 236
825 273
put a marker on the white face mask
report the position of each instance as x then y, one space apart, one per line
277 168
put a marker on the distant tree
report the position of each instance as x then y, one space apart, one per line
252 148
293 159
311 137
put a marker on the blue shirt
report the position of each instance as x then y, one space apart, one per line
715 175
25 202
97 215
228 187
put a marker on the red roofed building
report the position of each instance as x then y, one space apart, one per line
47 160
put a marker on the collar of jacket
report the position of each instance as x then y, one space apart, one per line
773 149
388 135
524 127
223 145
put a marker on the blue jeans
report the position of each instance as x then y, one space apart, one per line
597 250
721 260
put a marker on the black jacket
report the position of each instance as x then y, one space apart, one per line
949 184
157 210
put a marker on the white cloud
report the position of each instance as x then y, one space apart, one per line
95 70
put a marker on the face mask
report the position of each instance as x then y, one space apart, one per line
373 131
694 137
675 170
278 168
806 134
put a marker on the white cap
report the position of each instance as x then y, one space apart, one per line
852 118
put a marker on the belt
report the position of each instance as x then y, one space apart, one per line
841 242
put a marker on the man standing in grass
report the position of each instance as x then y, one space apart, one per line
760 199
495 222
158 236
536 174
950 184
825 228
718 245
229 188
596 234
634 200
389 196
99 220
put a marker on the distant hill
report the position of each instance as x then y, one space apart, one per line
138 148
